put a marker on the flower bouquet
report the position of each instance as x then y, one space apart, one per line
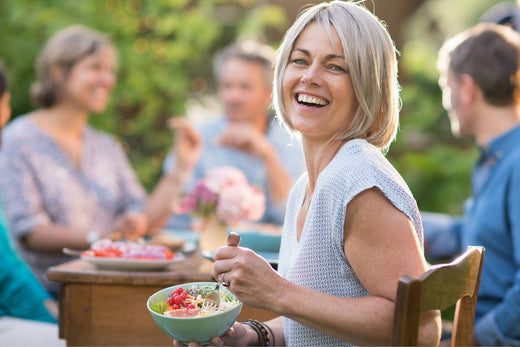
222 198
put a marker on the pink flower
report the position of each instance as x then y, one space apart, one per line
204 193
220 177
225 193
240 202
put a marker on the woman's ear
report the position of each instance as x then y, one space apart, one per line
57 74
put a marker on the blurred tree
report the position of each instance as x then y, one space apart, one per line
165 49
393 13
435 164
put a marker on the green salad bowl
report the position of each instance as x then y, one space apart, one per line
193 329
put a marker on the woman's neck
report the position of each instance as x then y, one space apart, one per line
62 119
317 156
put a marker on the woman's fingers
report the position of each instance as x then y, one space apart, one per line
233 239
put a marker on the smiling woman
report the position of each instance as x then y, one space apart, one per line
63 183
352 227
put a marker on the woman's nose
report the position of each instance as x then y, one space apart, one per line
311 76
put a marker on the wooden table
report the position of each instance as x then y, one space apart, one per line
108 308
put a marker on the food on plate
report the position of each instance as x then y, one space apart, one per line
191 302
128 250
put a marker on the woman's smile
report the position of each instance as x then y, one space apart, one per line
310 100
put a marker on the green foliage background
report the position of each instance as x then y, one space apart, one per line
165 58
165 49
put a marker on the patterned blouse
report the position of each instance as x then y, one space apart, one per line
40 185
317 260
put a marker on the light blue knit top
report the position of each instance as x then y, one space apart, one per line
317 260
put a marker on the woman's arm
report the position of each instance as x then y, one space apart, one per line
186 149
54 237
381 245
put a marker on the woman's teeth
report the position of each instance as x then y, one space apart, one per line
311 100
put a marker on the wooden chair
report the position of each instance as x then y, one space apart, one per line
439 288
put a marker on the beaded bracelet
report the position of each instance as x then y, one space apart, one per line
261 331
267 326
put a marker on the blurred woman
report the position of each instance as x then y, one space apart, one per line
352 226
65 184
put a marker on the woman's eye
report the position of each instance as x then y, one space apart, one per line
298 61
337 68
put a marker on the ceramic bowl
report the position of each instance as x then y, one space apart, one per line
193 329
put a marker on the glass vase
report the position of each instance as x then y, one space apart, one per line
212 234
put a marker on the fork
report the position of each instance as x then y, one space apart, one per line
214 297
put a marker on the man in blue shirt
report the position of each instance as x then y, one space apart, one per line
247 137
480 80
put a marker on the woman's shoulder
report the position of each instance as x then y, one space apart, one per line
19 124
17 132
360 164
358 156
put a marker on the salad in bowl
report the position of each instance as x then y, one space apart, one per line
183 312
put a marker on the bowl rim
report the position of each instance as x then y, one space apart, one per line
190 318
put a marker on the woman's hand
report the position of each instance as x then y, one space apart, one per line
237 335
132 225
249 276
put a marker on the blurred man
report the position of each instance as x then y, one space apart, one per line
247 137
480 80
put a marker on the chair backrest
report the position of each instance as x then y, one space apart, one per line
439 288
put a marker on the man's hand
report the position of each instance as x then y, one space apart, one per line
187 146
245 138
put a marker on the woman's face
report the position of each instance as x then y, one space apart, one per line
316 87
91 80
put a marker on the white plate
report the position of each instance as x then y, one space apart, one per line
128 264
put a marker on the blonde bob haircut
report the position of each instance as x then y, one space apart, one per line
63 51
370 56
